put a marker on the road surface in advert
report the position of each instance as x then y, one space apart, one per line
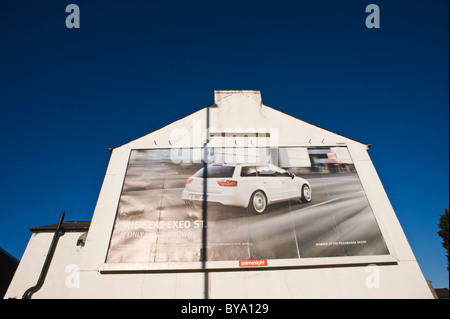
337 222
154 224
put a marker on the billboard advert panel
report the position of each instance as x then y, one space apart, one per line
244 208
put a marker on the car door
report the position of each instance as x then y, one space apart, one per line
288 187
270 182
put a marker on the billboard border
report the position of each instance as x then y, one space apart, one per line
233 265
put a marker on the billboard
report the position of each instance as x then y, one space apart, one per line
242 208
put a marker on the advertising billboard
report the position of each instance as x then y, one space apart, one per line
242 208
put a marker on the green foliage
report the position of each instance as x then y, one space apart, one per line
443 232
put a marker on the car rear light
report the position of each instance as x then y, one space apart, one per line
189 181
227 183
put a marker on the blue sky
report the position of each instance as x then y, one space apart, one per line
67 95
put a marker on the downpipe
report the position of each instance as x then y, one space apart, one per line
30 291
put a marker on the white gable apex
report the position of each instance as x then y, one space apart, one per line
239 113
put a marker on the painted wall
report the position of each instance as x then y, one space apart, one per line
395 276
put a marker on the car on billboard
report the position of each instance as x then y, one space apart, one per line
252 186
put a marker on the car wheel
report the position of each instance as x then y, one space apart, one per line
306 194
258 202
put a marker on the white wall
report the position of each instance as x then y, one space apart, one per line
233 111
62 274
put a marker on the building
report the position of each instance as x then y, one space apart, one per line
8 266
237 200
442 293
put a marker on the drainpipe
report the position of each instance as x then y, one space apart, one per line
30 291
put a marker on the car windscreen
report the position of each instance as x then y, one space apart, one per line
216 172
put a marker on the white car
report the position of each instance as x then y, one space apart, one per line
253 186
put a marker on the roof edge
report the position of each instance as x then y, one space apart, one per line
69 226
111 149
367 145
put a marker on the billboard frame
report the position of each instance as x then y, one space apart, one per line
235 265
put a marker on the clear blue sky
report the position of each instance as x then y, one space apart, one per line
66 95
